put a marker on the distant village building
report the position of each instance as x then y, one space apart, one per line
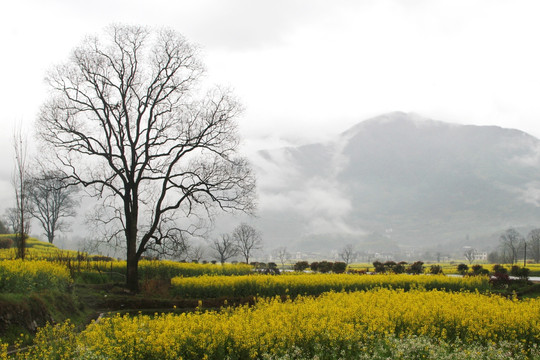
481 256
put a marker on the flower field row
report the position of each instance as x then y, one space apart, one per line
35 250
164 269
334 326
17 276
30 275
452 268
314 284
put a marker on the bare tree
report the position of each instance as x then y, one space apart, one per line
224 248
511 241
470 254
127 122
196 253
534 245
282 254
13 221
347 254
52 201
20 183
247 240
3 228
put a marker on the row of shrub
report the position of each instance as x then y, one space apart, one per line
323 267
391 267
380 268
515 270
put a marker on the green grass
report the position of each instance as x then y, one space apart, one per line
21 312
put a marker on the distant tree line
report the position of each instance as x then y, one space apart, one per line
324 266
244 241
514 247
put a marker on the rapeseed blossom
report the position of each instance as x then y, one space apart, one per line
18 276
315 284
334 325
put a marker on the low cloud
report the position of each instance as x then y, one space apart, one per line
322 204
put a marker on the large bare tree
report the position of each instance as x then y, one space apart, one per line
247 240
52 201
127 121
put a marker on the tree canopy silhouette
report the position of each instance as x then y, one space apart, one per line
126 120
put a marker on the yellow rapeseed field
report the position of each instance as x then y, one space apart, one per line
335 325
315 284
164 269
17 276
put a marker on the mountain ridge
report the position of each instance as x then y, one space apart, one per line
413 179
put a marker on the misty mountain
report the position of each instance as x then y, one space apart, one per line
399 180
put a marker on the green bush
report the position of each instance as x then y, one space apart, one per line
477 269
6 243
379 267
499 269
416 268
435 269
514 271
462 268
301 266
390 266
339 267
400 267
524 273
325 267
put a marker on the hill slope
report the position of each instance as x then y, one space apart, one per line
410 181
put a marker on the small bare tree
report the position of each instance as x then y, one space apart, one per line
224 248
533 246
20 183
470 254
247 240
13 220
52 201
511 241
128 121
3 228
196 253
347 254
282 254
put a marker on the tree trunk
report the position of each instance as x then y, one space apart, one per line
132 270
22 237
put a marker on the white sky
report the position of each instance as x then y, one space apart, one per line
304 69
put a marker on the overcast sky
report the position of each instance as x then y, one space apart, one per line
307 69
